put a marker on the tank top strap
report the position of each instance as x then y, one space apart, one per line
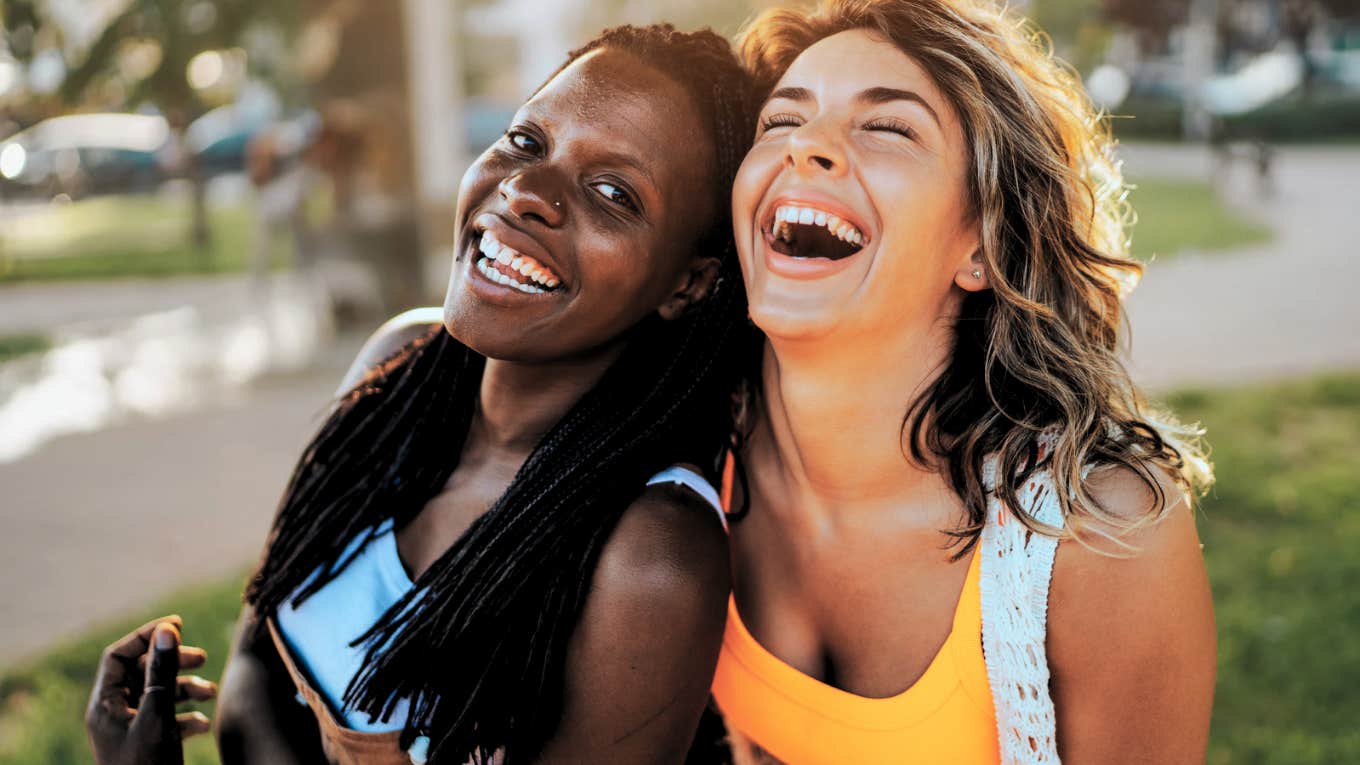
690 479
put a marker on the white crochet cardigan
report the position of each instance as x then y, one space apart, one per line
1015 571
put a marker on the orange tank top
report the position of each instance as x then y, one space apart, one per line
776 713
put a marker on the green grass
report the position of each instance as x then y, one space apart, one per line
120 236
1281 535
42 702
14 346
1281 532
1179 215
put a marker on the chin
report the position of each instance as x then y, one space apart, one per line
795 320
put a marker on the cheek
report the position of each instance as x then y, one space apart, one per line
753 178
480 180
921 222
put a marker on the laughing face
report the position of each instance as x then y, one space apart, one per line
851 210
583 219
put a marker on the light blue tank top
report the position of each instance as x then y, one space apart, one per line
319 631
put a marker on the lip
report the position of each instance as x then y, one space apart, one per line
517 239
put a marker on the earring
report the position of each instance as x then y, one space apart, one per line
977 274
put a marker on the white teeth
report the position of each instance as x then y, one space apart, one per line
490 272
493 249
808 216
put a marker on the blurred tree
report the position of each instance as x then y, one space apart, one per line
1151 21
1298 20
1078 32
171 33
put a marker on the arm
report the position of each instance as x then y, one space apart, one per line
1131 640
642 659
258 719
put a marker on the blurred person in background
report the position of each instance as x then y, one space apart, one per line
505 544
930 233
281 164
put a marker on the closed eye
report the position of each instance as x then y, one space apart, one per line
891 125
782 119
616 194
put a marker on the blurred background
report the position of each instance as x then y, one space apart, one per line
207 205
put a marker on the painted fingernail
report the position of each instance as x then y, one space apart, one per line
165 638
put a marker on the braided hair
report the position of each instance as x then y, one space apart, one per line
478 646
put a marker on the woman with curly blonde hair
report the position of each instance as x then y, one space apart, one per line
964 536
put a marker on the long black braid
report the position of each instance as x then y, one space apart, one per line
479 645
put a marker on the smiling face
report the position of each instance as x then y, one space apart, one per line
851 210
583 218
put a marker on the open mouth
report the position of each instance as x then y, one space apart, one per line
508 267
801 231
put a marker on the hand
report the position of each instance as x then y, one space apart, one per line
131 716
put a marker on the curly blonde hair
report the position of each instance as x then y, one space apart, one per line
1036 358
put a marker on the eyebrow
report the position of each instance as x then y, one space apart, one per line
615 158
877 95
886 95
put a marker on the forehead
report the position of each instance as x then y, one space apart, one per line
613 98
857 59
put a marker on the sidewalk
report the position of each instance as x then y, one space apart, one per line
1284 308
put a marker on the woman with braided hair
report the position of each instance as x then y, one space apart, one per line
503 545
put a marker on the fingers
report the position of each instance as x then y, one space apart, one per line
131 647
192 724
190 657
162 673
195 688
113 692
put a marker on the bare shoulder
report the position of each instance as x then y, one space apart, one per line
391 337
669 547
1131 633
643 654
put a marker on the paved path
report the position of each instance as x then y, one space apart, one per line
101 523
1279 309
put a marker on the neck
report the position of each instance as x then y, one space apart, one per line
519 403
833 415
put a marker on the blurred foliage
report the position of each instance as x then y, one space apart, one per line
1280 531
1183 215
1078 31
1296 118
14 346
1151 21
121 236
179 29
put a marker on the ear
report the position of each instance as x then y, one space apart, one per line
697 281
971 275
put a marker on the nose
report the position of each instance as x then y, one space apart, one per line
532 197
813 148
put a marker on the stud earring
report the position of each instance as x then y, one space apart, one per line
977 274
